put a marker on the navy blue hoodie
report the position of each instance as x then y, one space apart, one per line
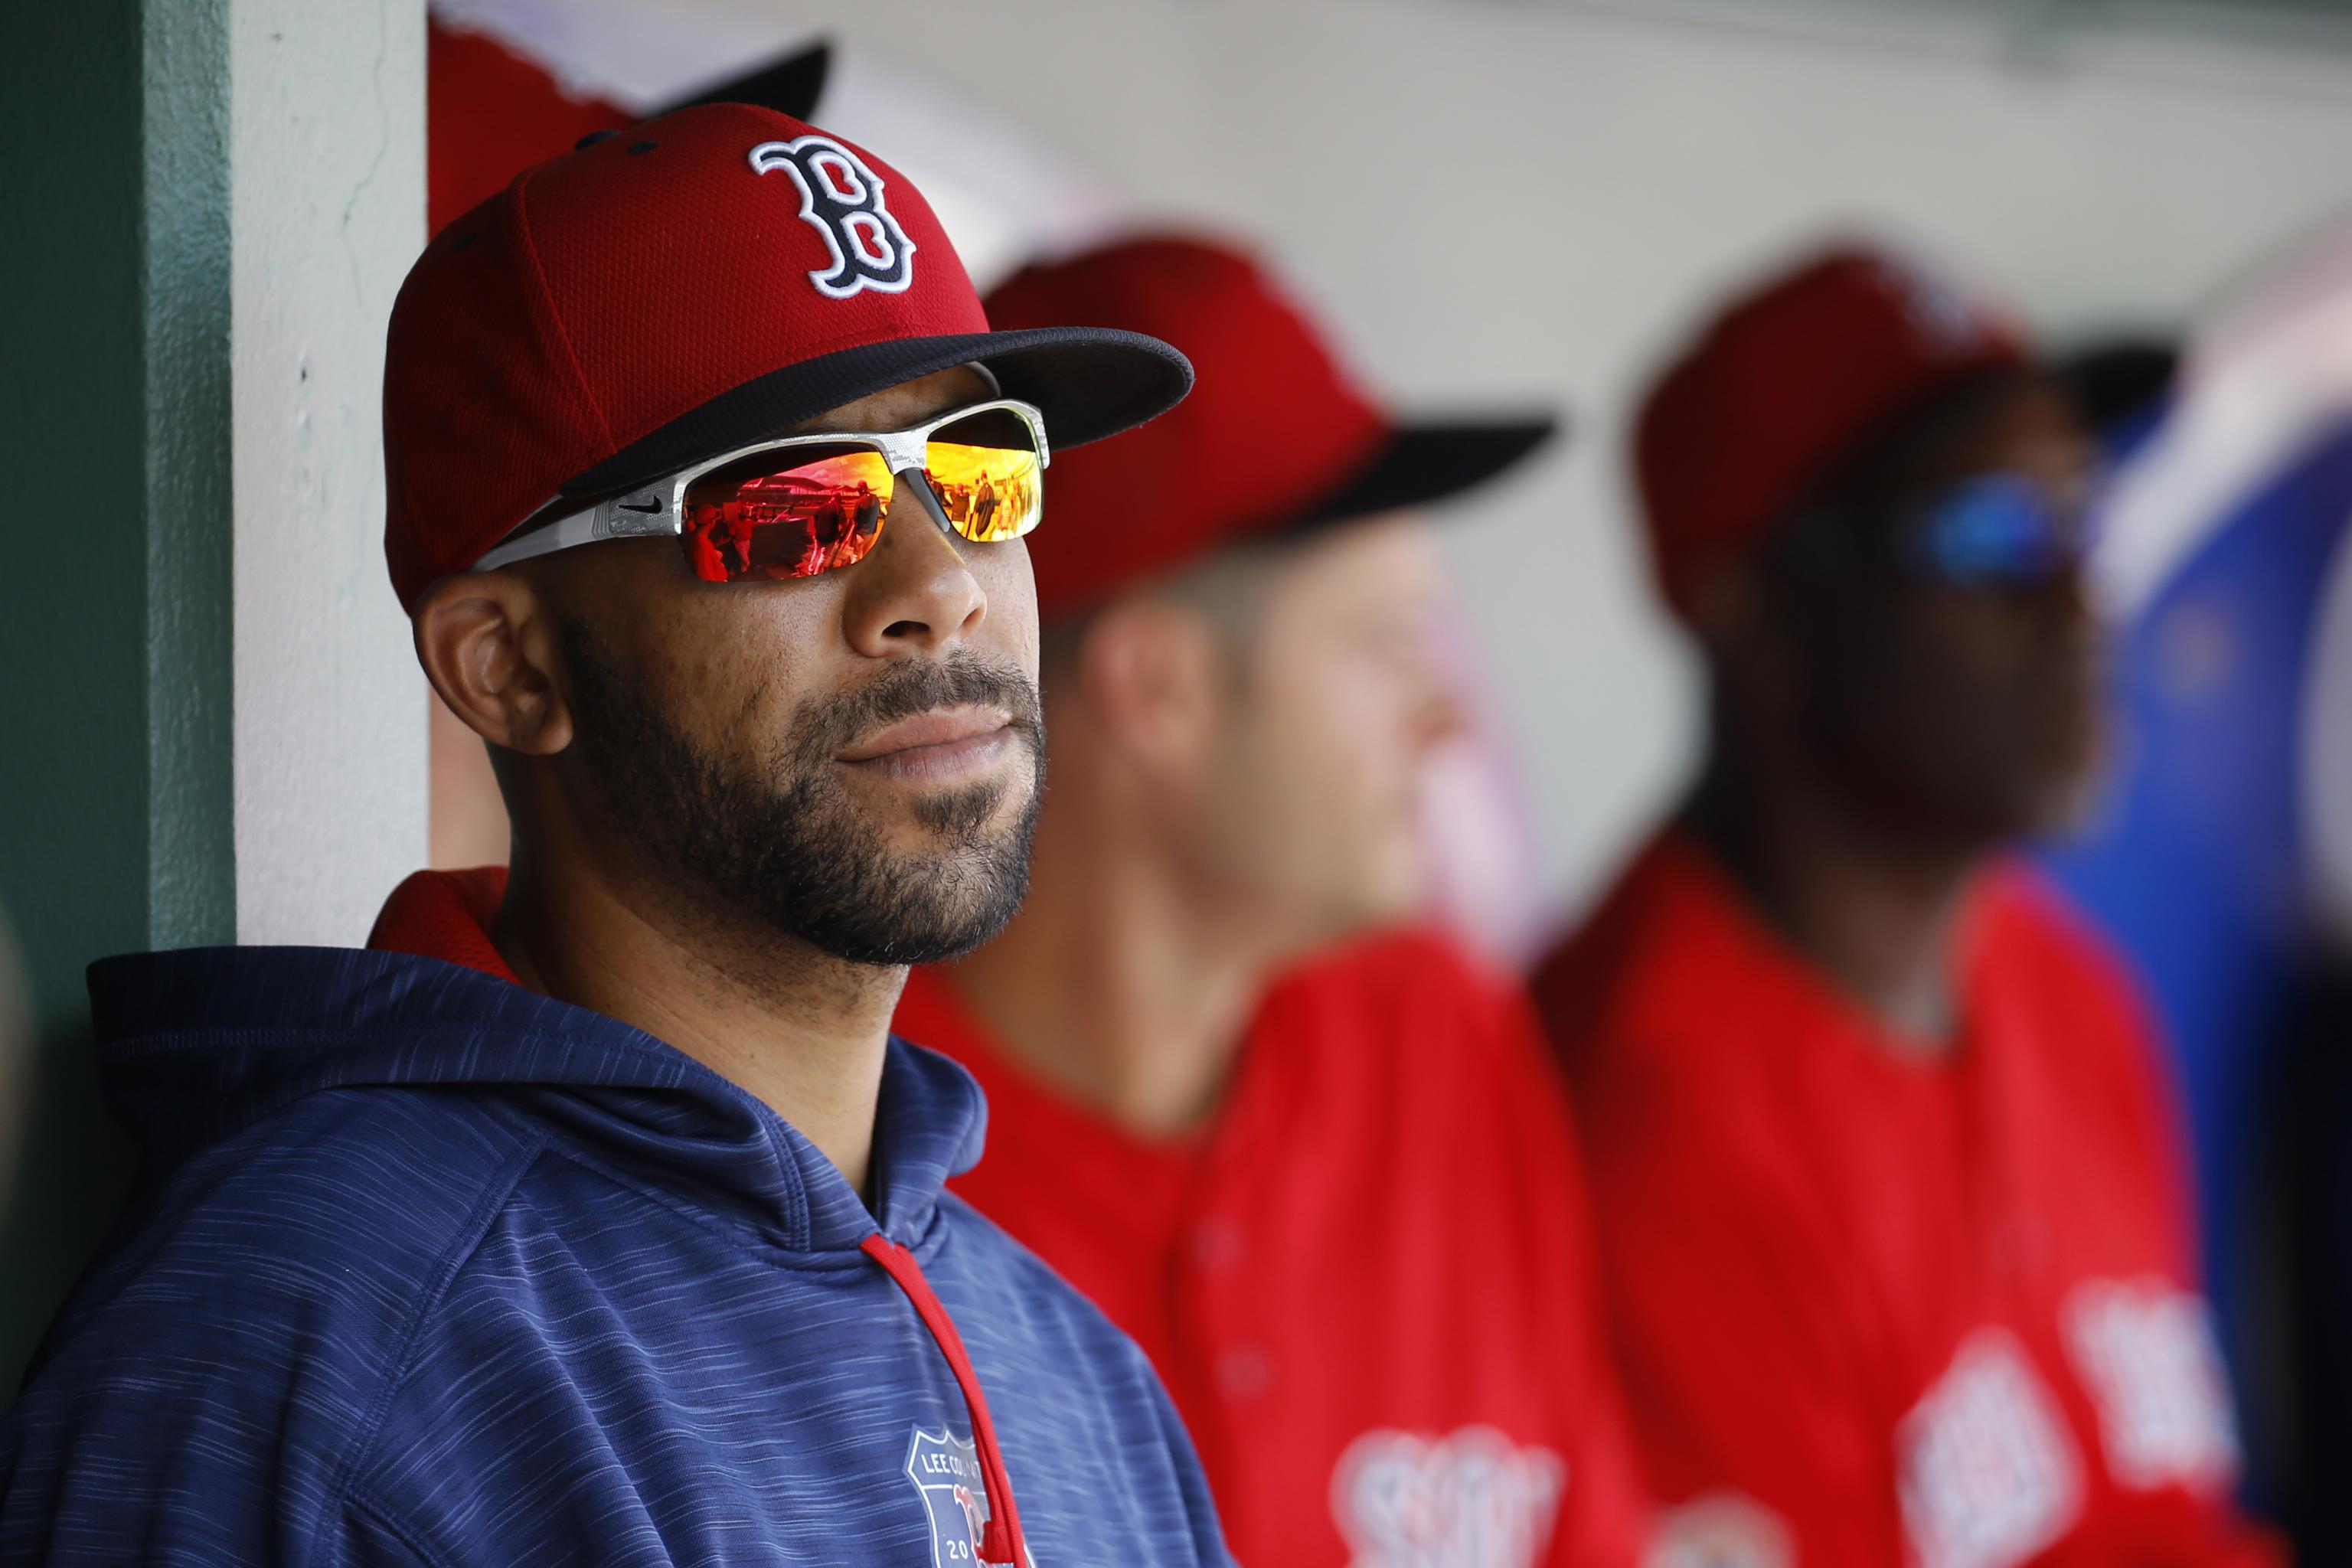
424 1267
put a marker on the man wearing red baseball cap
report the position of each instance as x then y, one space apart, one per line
1324 1175
1887 1181
594 1215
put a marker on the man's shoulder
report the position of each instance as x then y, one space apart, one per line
1666 914
1397 985
1028 1298
2084 1038
316 1231
241 1335
1415 1053
2029 924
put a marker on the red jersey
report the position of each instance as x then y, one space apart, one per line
1365 1283
1874 1304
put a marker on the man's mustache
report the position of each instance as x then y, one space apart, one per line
826 726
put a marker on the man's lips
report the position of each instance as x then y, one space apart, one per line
943 744
939 727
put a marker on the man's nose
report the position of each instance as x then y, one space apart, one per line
915 593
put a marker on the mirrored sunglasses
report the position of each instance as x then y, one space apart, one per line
1997 530
802 505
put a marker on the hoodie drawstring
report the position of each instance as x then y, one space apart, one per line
1001 1540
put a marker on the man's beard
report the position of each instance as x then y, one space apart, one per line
779 842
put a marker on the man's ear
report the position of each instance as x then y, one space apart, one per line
487 643
1748 629
1723 604
1154 678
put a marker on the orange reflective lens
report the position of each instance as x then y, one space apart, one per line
799 511
985 471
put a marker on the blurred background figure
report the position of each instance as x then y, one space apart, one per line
1321 1169
1891 1195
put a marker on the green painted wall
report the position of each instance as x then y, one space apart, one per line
115 590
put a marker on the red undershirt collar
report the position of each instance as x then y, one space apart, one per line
447 915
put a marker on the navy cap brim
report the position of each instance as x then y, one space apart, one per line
1429 461
1087 382
789 83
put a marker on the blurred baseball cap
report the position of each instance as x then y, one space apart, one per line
705 280
1277 436
1784 384
491 109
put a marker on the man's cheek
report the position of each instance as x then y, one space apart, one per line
1007 580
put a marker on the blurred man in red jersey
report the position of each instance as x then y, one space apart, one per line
1334 1197
1890 1197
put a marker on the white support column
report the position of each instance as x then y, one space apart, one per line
327 136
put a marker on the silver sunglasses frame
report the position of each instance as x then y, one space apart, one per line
659 509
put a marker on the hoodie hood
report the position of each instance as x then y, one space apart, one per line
198 1046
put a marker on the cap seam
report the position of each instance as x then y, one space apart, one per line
547 301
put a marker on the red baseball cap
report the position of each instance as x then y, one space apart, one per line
1279 435
1785 383
698 282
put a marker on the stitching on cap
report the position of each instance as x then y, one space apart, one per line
547 297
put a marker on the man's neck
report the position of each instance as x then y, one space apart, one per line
802 1030
1114 986
1877 911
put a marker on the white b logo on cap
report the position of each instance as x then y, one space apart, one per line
841 198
